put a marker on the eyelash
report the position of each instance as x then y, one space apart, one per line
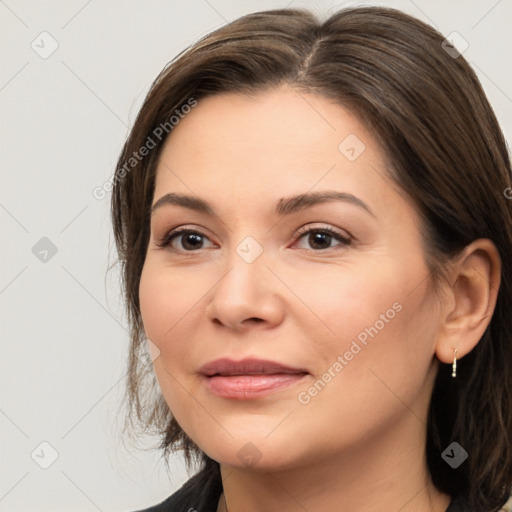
167 238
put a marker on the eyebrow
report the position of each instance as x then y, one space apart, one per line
285 206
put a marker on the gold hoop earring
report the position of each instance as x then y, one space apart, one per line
454 364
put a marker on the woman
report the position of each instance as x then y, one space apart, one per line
314 232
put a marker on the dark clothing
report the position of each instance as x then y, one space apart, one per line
201 493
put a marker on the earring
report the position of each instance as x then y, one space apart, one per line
454 364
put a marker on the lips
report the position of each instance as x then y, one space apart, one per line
250 366
250 378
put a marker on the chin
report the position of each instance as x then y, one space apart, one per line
258 453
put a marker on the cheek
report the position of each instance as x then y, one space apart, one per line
381 360
167 302
345 304
167 297
378 339
172 313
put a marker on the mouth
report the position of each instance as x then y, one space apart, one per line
249 378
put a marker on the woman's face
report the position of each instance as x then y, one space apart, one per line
306 255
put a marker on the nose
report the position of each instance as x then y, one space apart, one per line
246 297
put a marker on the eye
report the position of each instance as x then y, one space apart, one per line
318 239
322 238
187 240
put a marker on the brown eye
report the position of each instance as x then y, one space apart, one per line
322 238
184 240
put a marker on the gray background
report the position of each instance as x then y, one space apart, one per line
63 121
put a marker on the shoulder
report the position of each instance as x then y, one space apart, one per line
458 504
200 493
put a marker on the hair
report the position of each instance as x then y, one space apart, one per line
429 113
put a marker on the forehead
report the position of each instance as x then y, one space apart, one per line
277 142
272 122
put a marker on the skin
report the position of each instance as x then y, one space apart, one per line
358 444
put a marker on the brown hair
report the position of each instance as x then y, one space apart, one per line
427 109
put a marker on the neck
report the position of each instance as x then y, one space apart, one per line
379 475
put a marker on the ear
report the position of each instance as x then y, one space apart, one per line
470 299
